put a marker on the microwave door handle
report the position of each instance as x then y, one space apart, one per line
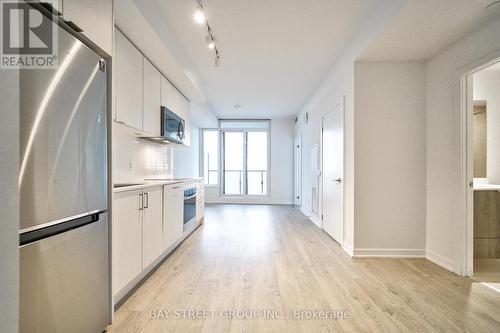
183 129
180 130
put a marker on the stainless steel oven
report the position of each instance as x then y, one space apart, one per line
189 207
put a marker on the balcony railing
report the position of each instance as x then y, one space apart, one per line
256 182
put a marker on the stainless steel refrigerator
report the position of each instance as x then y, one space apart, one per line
64 268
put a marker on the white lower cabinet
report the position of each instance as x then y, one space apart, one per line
146 223
173 212
200 203
152 225
126 238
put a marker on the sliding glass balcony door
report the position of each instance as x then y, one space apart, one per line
256 172
245 162
233 163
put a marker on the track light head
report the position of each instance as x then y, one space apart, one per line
199 16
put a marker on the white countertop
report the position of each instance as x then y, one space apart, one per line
486 187
154 182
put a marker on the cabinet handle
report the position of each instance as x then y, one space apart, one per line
141 202
146 197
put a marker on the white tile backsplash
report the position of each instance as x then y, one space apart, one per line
135 159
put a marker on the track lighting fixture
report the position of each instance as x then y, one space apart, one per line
200 17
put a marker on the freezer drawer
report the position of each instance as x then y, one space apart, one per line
65 281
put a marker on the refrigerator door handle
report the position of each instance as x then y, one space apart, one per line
56 229
141 202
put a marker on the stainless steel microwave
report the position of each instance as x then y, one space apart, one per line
173 127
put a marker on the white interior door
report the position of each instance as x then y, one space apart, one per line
297 171
333 173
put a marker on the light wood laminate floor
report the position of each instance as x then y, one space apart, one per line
271 258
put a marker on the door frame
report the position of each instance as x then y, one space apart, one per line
341 103
297 172
464 227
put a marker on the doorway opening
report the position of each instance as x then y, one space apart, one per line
481 96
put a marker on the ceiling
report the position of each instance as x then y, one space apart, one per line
425 27
274 53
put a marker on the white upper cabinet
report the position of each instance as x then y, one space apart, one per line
182 107
152 225
151 99
167 90
141 90
94 17
128 82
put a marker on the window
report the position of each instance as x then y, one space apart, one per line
245 152
239 163
210 160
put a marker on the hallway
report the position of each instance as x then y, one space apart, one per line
260 258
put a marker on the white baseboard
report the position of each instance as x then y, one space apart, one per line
248 201
440 260
388 253
315 221
348 249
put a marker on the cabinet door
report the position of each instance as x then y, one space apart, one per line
173 213
167 90
182 107
152 225
127 238
187 119
94 17
152 99
200 204
128 82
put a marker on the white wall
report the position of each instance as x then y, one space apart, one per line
443 140
390 168
487 87
9 201
281 176
187 159
282 161
339 82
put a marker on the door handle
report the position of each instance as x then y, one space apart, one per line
141 202
338 180
146 199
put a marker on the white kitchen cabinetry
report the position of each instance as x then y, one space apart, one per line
126 237
182 107
128 82
173 212
141 90
152 225
151 99
167 90
200 202
177 103
94 17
